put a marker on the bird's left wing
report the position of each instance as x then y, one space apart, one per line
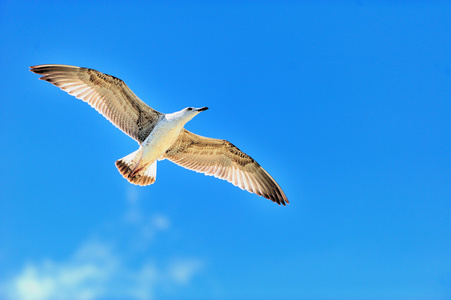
221 159
109 95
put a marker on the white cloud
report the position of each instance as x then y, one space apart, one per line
106 269
182 271
29 286
96 271
81 278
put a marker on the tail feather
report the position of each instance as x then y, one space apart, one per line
131 169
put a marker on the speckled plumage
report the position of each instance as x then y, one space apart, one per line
160 136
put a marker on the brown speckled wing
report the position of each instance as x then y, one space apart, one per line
221 159
109 95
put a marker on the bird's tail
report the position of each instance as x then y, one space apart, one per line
131 169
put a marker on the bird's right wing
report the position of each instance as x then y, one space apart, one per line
109 95
221 159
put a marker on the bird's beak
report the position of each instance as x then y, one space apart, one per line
202 109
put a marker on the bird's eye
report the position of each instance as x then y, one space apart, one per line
189 108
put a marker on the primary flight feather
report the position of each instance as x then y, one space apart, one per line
160 136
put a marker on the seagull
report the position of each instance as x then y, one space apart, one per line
160 136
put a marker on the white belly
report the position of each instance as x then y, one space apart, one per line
159 140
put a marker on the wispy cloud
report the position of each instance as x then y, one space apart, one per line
103 269
145 227
182 270
83 276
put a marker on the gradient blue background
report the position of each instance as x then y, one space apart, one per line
345 103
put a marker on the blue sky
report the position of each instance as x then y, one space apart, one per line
345 103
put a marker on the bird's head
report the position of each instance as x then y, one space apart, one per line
187 114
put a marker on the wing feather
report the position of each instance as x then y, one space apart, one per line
109 95
221 159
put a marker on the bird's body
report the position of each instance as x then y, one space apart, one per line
160 136
163 136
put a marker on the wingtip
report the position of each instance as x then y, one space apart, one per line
283 202
279 197
37 66
35 69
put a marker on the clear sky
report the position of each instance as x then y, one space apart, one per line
345 103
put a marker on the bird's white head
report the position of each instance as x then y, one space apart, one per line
185 114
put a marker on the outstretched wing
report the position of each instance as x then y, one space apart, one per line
221 159
109 95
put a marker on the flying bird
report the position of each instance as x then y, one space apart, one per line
160 136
